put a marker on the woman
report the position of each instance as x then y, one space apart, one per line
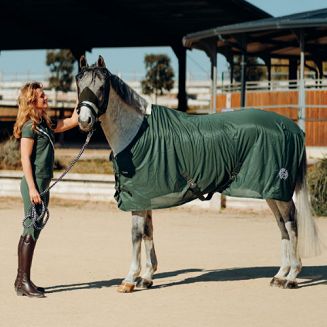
36 133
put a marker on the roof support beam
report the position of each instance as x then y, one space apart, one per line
180 53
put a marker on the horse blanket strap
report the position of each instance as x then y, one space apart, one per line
246 153
196 190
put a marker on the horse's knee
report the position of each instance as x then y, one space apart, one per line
136 234
138 225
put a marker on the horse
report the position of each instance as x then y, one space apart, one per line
164 158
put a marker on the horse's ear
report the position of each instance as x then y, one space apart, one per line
101 62
82 62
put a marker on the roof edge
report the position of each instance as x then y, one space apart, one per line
296 20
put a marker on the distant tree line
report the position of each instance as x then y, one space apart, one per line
159 75
61 64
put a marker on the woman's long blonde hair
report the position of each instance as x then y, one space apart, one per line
26 111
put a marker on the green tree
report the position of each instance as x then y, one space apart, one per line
159 75
253 71
61 63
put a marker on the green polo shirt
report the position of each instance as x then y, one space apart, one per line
42 158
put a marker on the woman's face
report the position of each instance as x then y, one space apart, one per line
41 102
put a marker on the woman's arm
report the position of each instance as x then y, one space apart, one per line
67 123
26 148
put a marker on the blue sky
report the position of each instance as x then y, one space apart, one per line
129 61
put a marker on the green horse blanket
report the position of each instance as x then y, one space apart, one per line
176 158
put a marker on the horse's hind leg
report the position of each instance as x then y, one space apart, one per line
291 263
288 212
280 278
151 258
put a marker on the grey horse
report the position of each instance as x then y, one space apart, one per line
164 158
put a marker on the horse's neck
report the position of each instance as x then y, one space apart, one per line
120 123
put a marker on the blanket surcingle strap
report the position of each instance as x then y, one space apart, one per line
176 158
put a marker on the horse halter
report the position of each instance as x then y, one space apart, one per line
88 99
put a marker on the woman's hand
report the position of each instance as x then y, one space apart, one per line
35 196
67 123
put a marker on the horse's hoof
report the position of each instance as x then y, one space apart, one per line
277 282
144 283
125 288
291 284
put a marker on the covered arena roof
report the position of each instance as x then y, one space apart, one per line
276 37
85 24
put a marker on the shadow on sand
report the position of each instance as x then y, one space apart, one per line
313 275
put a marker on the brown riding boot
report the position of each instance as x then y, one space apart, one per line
20 243
23 284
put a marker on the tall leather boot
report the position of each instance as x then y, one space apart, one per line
23 283
19 272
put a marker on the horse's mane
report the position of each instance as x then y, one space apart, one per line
127 94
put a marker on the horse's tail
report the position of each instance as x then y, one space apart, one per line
309 243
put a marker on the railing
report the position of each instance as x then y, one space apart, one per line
279 96
285 102
272 85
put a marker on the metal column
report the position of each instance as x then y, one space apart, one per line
243 80
213 82
301 110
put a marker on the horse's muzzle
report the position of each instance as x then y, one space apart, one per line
85 125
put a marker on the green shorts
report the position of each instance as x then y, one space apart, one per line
41 185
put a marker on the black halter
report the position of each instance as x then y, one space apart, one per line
88 99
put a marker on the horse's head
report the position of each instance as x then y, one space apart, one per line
93 85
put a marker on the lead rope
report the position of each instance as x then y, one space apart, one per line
40 220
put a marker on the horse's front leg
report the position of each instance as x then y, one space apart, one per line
141 228
151 258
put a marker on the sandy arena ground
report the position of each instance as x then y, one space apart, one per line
214 270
